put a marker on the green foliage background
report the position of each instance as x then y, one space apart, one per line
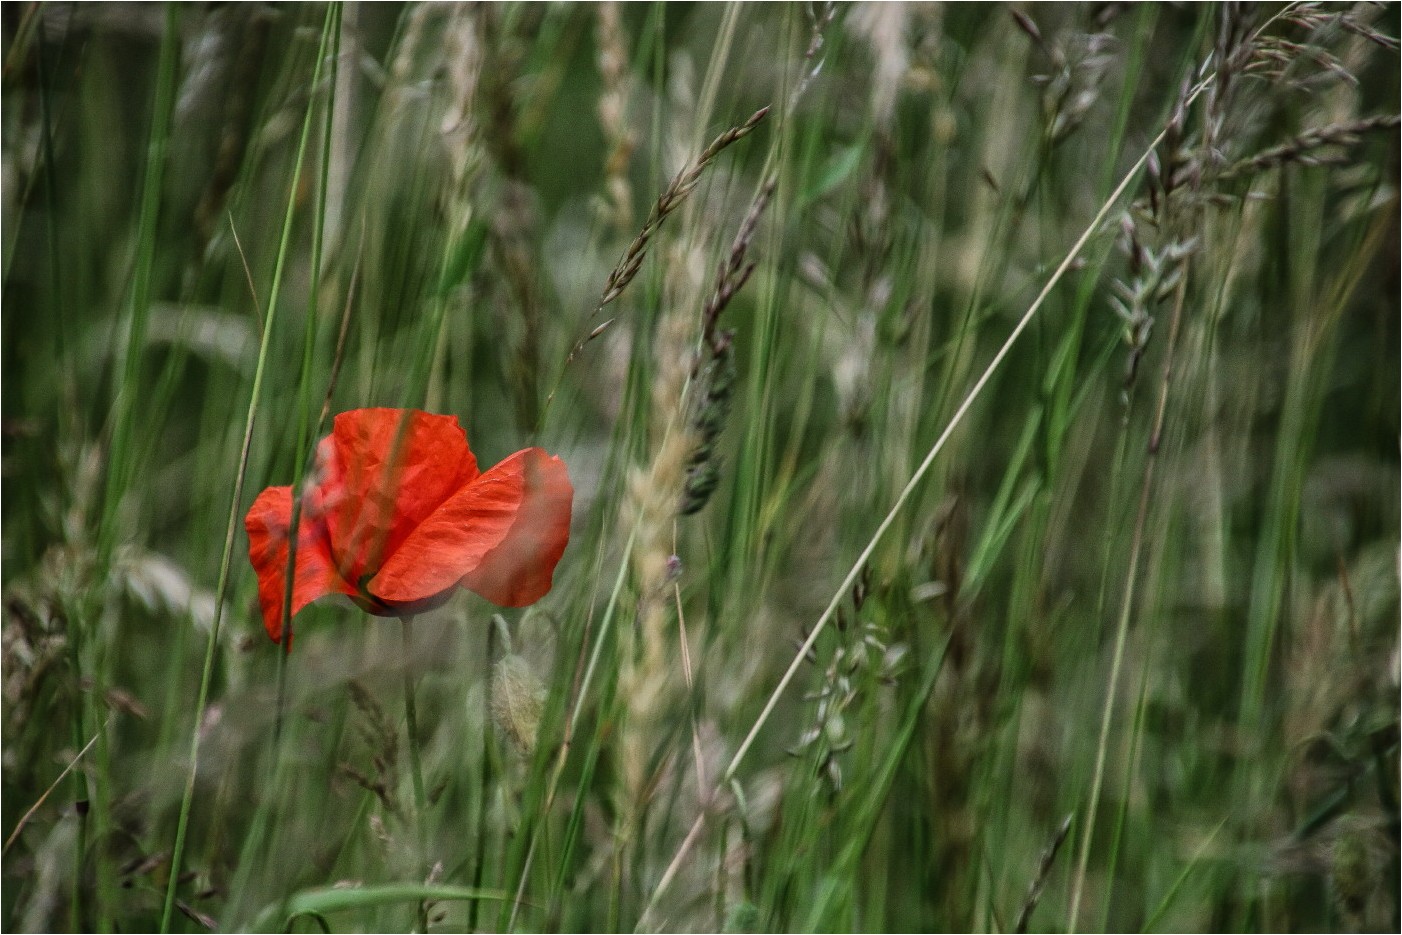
1125 657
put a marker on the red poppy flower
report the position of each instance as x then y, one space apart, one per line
397 516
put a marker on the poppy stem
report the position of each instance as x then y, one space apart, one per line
411 718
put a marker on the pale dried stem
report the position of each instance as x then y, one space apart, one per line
613 113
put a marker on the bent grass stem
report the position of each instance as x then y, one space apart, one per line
845 587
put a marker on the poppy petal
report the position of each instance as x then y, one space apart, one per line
501 536
521 569
384 473
268 522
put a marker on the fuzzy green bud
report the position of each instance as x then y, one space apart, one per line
518 698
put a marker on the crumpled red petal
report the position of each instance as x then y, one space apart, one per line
501 536
521 569
396 516
379 484
268 522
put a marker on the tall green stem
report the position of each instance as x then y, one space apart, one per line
221 590
411 718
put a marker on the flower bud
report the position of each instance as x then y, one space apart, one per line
518 697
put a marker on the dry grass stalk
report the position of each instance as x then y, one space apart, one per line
647 675
812 63
715 364
681 186
676 480
237 109
885 26
631 261
735 271
1302 149
1039 882
381 737
459 129
613 115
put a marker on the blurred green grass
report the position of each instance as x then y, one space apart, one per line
1150 582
